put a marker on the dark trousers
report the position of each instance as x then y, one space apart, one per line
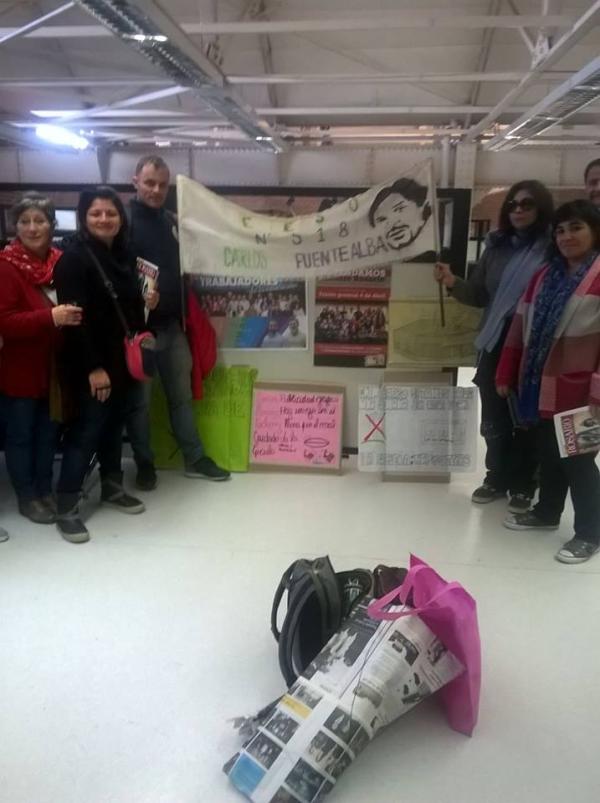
579 475
511 457
98 429
29 447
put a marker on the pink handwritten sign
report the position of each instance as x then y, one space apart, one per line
297 425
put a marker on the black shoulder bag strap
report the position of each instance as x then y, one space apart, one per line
110 290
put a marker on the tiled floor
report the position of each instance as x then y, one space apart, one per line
121 660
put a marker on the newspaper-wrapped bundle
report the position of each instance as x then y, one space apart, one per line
369 674
577 432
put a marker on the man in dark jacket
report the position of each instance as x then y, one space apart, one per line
592 181
154 238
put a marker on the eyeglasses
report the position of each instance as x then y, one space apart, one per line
526 204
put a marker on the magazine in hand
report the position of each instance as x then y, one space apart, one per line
577 432
148 278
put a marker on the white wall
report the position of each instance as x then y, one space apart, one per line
348 166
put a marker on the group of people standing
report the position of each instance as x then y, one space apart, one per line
63 367
63 372
538 281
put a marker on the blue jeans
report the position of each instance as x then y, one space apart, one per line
98 430
29 446
174 364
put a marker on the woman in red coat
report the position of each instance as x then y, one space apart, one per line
29 324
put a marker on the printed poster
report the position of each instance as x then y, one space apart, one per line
251 314
351 319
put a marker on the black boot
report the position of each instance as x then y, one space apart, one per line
113 495
68 521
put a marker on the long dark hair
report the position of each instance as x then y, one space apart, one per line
87 198
543 202
585 211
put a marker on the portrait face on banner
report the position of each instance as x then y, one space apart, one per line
400 212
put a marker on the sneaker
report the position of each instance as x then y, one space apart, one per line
3 535
207 469
114 495
527 521
486 493
576 551
146 479
72 528
519 503
35 510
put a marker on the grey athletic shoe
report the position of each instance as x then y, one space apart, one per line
207 469
4 536
68 522
527 521
486 493
519 503
114 495
576 551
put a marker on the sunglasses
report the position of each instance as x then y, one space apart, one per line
527 204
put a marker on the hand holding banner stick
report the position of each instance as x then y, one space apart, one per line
442 310
443 275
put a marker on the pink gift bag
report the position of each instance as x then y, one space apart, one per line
451 614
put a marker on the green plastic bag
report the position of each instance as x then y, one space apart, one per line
223 418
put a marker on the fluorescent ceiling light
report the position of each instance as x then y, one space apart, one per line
50 112
61 136
145 37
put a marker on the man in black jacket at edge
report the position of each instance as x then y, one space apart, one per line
154 238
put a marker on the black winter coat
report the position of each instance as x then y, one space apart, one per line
98 342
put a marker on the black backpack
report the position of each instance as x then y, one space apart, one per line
318 600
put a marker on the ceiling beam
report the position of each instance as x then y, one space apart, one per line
482 60
587 22
147 97
578 91
439 20
284 78
35 24
374 111
147 27
58 83
525 35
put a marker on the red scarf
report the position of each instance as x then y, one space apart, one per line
33 269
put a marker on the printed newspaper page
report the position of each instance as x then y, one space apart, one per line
577 432
147 277
368 675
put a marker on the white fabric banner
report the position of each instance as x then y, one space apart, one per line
394 221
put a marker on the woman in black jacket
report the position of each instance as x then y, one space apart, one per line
95 366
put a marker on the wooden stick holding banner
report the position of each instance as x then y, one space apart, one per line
438 252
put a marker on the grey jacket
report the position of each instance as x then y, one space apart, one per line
482 285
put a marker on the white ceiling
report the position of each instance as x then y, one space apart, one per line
305 72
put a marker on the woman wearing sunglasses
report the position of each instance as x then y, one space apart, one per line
512 255
551 359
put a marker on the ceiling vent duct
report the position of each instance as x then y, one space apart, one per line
578 91
144 25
